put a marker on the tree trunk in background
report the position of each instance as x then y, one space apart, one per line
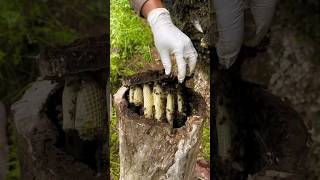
149 150
4 147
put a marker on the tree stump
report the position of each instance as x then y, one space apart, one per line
150 149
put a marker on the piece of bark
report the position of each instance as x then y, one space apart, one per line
37 135
151 150
84 55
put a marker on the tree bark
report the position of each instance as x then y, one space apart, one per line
150 150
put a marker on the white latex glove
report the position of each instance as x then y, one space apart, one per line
170 40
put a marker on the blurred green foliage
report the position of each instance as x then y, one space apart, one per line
28 26
205 151
130 36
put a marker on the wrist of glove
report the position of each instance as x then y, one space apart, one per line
170 40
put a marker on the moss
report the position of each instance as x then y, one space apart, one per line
205 152
114 148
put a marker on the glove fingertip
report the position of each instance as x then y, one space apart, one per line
167 70
181 80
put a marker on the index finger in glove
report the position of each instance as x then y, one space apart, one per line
166 61
181 63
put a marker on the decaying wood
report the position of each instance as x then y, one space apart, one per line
149 76
150 150
85 55
37 135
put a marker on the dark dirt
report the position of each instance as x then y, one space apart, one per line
144 77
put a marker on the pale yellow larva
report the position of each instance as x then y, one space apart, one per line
180 103
147 101
131 92
138 96
170 108
158 103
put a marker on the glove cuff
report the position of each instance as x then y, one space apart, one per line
159 16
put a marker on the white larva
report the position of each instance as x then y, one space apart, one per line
157 100
147 101
138 96
131 92
180 103
170 108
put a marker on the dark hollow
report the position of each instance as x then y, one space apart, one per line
70 142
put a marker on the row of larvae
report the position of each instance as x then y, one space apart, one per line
154 99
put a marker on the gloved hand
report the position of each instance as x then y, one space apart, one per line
170 40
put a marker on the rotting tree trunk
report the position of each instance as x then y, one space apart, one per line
149 150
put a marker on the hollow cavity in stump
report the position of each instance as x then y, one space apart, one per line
159 98
70 140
